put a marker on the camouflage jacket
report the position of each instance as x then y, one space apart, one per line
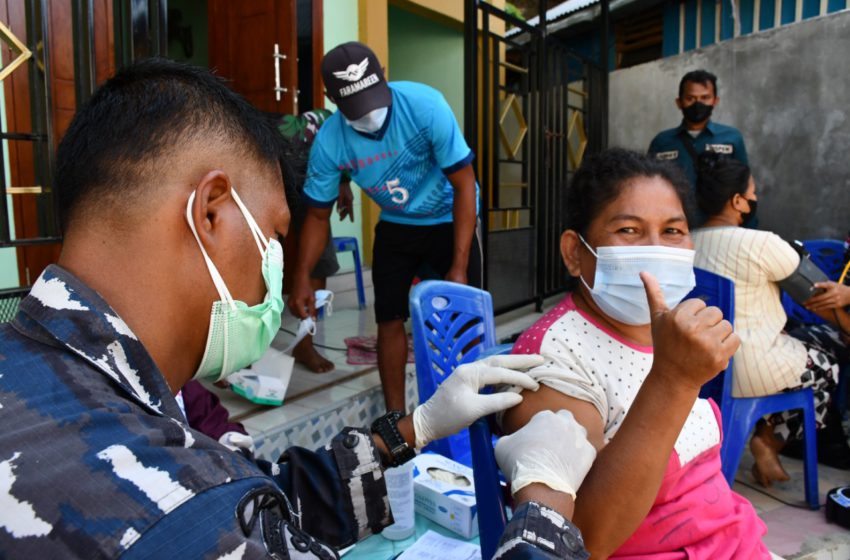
97 460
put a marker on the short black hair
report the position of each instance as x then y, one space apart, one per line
146 110
719 178
703 77
601 177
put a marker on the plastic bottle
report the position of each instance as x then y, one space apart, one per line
400 492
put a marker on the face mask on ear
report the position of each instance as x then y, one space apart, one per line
371 122
618 290
749 215
240 334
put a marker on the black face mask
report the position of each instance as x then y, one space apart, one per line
697 112
749 216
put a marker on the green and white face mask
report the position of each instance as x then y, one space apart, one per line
239 334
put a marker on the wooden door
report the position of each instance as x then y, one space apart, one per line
242 39
31 123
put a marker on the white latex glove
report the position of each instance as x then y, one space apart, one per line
551 449
456 403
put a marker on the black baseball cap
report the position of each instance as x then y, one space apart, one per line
355 80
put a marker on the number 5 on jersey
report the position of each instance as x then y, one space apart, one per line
398 194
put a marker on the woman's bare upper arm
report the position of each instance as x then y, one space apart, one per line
547 398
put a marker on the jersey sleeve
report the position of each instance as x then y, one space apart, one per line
536 532
321 188
450 148
331 497
204 527
778 258
564 372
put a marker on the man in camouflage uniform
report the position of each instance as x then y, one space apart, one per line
96 458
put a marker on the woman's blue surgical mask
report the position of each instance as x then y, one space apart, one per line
240 334
617 288
371 122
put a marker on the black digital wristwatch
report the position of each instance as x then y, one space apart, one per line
386 427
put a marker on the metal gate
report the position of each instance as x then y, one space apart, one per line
533 109
27 194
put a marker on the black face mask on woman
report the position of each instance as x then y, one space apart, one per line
697 112
747 216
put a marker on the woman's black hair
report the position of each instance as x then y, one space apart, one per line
719 178
601 177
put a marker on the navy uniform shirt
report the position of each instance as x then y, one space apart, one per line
715 137
97 460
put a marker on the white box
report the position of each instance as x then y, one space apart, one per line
444 492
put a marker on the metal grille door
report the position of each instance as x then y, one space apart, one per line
532 111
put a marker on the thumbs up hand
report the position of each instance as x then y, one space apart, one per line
692 342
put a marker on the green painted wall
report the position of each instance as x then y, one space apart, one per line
425 51
340 26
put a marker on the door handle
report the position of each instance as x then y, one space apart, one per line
278 56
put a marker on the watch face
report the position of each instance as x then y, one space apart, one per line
398 449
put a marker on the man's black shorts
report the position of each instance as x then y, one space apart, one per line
402 251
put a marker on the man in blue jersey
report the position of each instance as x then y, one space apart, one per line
402 145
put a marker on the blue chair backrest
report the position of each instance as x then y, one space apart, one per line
798 313
452 325
828 254
718 291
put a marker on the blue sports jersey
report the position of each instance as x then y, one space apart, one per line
402 167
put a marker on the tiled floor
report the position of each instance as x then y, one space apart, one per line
797 532
317 405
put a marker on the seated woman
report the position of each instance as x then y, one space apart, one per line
628 360
769 361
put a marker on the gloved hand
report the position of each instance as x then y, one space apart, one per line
551 449
456 403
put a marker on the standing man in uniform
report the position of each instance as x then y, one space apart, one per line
697 133
402 145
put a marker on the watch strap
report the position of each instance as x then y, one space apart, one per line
386 427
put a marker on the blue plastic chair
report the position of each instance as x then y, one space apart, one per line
828 255
345 244
489 493
741 414
452 324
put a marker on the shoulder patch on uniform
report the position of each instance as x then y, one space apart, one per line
672 154
719 148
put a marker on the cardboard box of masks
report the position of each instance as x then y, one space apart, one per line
444 492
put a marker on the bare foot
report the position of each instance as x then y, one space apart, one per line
305 353
767 468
